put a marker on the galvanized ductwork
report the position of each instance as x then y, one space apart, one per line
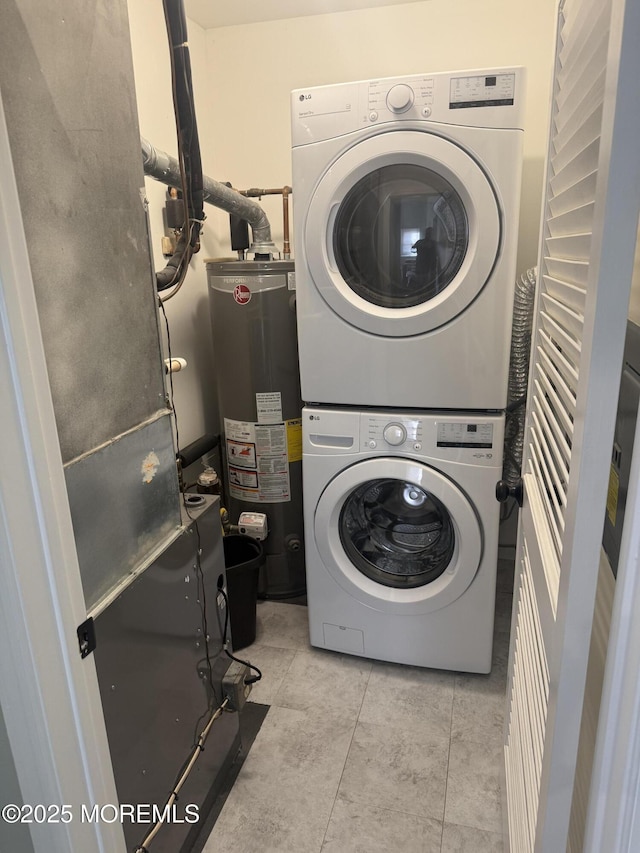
518 374
72 73
166 169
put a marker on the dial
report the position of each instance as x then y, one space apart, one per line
400 98
394 434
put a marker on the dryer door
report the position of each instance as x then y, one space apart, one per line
402 233
398 535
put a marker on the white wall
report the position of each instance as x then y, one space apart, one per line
242 79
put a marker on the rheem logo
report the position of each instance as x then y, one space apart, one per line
241 294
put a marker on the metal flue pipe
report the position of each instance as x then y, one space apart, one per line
166 169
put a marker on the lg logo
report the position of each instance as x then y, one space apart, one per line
314 417
305 97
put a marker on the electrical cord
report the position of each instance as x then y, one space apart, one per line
221 591
252 679
199 741
202 599
507 514
170 374
201 588
181 778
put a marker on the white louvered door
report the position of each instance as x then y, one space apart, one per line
589 225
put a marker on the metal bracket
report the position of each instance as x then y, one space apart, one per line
86 637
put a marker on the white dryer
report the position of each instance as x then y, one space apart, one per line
401 530
406 203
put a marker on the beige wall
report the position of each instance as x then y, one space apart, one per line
242 79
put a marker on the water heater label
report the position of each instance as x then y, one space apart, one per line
257 461
269 407
294 439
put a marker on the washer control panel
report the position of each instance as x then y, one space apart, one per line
380 432
460 437
467 438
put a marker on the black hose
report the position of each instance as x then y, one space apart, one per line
189 454
188 145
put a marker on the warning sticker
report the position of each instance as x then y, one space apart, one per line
243 479
294 439
241 453
269 407
271 440
257 461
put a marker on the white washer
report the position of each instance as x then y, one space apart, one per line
406 202
401 531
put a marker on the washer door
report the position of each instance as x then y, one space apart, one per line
402 233
398 535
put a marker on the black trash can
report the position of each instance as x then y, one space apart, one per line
243 557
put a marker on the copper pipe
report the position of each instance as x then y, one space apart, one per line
285 192
286 246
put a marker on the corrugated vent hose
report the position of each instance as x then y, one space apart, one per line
518 375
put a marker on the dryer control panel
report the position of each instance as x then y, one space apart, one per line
492 98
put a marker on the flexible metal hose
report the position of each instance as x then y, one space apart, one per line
518 374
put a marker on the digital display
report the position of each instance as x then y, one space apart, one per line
470 435
491 90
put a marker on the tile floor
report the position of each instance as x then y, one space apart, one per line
360 756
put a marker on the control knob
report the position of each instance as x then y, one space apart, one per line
400 98
394 434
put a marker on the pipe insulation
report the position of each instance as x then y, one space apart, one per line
166 169
518 374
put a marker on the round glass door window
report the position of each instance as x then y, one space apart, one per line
400 236
396 533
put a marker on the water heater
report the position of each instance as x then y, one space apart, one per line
252 306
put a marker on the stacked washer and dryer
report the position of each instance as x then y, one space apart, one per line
406 201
